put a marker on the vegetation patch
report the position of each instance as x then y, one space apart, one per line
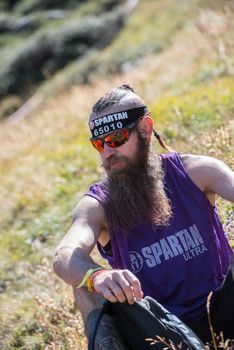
195 111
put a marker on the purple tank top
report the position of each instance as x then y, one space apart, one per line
180 264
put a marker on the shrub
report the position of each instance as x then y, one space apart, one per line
50 50
9 105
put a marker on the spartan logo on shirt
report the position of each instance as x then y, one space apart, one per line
136 261
187 243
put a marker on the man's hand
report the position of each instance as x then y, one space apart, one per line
118 285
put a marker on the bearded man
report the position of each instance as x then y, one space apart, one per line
153 218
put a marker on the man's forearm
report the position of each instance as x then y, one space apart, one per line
71 264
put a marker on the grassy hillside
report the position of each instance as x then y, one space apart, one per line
179 56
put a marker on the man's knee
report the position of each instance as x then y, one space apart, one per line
86 301
90 305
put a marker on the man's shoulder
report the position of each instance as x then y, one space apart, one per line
202 169
192 162
196 162
88 207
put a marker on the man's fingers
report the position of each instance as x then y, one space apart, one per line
134 283
107 293
129 284
118 292
126 289
118 285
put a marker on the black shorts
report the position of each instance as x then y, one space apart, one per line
221 313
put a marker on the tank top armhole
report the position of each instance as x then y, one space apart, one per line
98 192
106 250
93 195
176 159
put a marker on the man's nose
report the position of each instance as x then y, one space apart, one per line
107 152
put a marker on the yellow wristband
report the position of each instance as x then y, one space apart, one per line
86 277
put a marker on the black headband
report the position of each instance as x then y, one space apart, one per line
119 120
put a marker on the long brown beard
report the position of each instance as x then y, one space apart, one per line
136 194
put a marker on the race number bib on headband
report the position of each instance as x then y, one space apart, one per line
119 120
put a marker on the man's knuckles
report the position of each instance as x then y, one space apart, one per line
109 296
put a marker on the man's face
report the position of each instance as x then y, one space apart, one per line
116 160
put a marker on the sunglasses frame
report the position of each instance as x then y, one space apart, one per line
130 127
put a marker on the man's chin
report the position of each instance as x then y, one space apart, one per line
115 166
116 169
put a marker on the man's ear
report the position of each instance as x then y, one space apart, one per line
145 126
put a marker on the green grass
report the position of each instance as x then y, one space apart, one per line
195 111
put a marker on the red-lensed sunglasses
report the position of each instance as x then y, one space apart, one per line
113 139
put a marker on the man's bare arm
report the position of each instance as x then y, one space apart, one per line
72 258
211 175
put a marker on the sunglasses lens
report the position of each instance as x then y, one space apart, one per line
98 144
117 138
113 140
